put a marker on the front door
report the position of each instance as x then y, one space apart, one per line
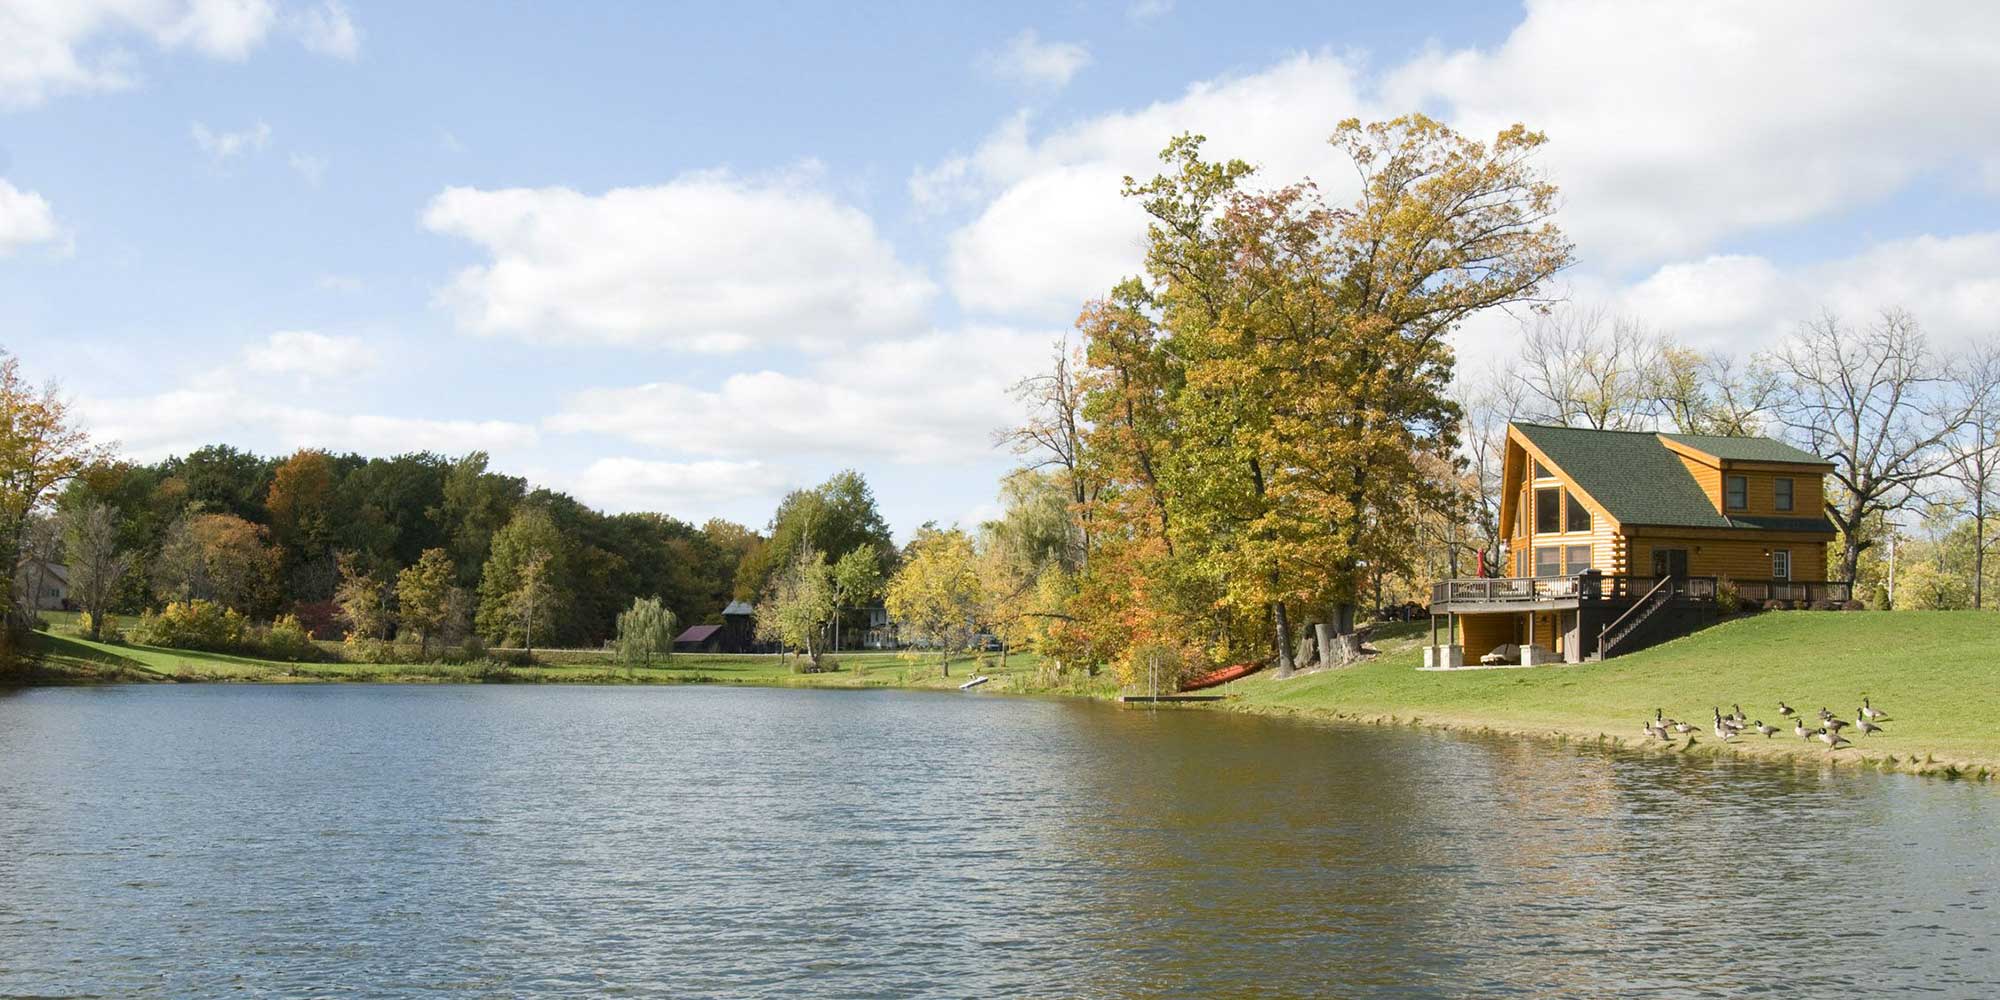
1670 562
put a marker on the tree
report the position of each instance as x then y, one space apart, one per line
934 597
426 597
40 449
96 565
838 515
1870 401
645 630
476 504
531 537
1053 438
1975 457
1583 367
857 577
529 603
41 548
797 604
363 600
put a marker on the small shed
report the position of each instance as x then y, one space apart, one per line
700 639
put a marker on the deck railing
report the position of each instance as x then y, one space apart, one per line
1596 587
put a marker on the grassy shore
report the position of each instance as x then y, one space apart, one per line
1936 673
67 659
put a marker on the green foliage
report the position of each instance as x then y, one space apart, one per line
196 624
427 599
838 515
1728 597
522 590
935 596
798 604
645 632
287 639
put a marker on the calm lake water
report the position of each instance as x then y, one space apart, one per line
506 841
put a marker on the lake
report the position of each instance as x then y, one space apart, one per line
410 841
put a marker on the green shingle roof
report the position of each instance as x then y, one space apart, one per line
1638 480
1745 449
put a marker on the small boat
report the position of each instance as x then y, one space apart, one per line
1223 676
973 683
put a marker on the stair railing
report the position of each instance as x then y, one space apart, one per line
1629 612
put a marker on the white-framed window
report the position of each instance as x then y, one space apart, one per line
1781 564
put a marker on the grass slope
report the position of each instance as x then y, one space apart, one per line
67 659
1936 673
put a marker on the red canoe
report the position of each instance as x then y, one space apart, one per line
1223 676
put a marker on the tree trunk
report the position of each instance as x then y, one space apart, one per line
1343 626
1281 633
1979 545
944 659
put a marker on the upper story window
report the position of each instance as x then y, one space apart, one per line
1579 516
1782 492
1548 511
1735 492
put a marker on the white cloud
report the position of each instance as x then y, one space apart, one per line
1027 59
149 428
689 489
304 352
1147 10
1054 231
1672 128
223 146
706 262
936 398
328 30
25 219
52 47
311 168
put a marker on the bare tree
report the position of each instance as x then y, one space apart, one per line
1582 367
1490 403
1975 455
1874 402
1052 435
96 566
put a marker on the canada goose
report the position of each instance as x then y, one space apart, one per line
1835 723
1680 727
1799 729
1785 710
1871 712
1861 722
1722 730
1736 716
1762 728
1833 740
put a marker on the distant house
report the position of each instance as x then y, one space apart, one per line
700 639
736 634
41 585
881 632
1618 539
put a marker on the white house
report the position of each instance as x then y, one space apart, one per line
42 585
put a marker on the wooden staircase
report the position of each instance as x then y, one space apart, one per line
1646 607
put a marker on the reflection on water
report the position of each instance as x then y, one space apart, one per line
483 841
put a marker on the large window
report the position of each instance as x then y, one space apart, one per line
1735 492
1781 490
1576 559
1579 517
1781 564
1548 511
1542 473
1548 561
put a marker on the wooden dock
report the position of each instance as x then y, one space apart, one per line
1170 697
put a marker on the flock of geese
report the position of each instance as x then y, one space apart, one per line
1734 724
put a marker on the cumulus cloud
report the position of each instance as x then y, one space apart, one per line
72 46
691 489
223 146
936 398
328 29
1027 59
1672 128
706 262
25 219
304 352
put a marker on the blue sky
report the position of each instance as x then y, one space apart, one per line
682 257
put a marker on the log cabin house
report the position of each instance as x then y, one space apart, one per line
1614 540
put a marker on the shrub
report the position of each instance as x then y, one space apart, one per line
109 632
194 624
1853 605
288 639
1774 605
1728 597
320 618
1824 605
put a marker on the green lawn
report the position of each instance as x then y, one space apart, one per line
1936 673
66 658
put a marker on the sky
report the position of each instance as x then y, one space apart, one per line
687 257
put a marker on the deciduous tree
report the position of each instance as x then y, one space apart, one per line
427 597
96 563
